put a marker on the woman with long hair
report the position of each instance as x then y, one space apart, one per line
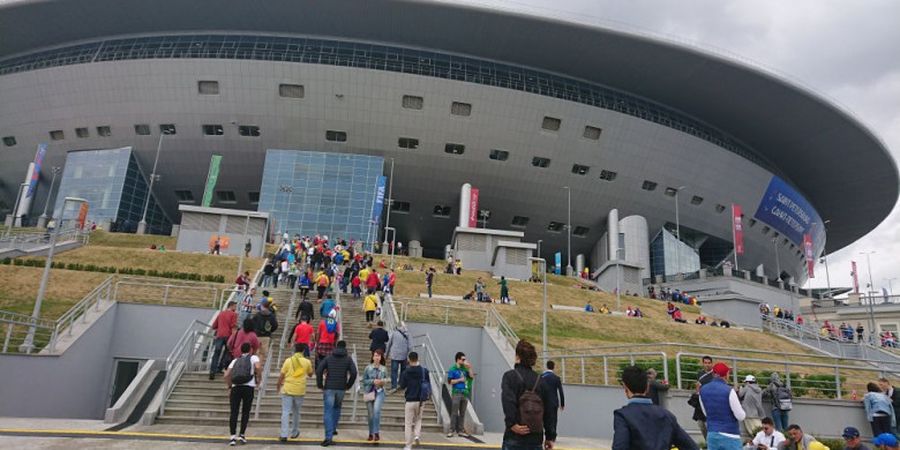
374 378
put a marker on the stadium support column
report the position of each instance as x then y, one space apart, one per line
465 198
390 204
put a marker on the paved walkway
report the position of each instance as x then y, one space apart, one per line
65 434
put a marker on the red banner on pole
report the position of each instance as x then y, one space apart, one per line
808 251
82 215
737 228
855 277
473 208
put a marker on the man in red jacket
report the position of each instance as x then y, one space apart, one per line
224 324
372 282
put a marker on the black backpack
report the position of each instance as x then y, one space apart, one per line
242 371
424 386
531 406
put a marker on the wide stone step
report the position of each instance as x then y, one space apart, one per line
275 413
274 404
221 396
430 426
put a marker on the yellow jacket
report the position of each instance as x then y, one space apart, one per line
370 303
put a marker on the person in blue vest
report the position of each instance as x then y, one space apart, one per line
723 411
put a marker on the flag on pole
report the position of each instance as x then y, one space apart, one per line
737 228
211 179
808 252
473 208
36 174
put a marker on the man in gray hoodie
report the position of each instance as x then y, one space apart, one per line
398 350
750 395
781 401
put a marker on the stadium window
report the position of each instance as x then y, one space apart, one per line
592 133
142 130
555 227
775 234
580 231
580 170
184 196
499 155
441 211
649 185
167 128
104 131
206 87
520 221
82 132
454 149
670 191
336 136
57 135
400 207
461 109
608 175
752 222
9 141
226 197
765 230
248 130
413 102
291 90
696 200
551 123
785 242
253 197
213 130
408 143
541 162
720 208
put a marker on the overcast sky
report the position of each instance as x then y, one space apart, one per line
847 50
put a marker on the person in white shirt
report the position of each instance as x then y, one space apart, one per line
767 439
240 392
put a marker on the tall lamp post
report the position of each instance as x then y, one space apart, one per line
825 258
142 225
28 344
871 297
42 220
390 203
568 231
241 258
542 263
777 259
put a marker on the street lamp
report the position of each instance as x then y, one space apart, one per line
869 292
28 345
569 232
142 225
241 257
393 241
678 230
777 259
390 202
42 220
542 263
825 258
540 241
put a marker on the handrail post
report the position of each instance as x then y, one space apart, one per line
837 381
166 295
446 316
582 371
678 369
9 327
563 361
605 371
665 366
734 370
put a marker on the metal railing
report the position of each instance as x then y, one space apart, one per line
437 371
90 301
187 293
18 237
495 320
16 327
186 355
589 366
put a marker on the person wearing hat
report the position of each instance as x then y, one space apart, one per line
750 395
885 441
766 439
723 411
852 441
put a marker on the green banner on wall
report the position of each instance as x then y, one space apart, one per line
211 178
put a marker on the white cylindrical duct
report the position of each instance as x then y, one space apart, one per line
637 246
24 199
465 200
579 263
612 233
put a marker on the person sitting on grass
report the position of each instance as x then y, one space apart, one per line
604 309
678 316
589 307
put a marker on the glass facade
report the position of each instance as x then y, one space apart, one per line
310 193
115 188
669 256
379 57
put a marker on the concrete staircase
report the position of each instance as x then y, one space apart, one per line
198 401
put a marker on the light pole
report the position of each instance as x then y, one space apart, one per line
777 259
142 225
871 297
677 231
390 202
825 257
540 241
15 208
569 232
42 221
543 265
28 344
393 241
241 259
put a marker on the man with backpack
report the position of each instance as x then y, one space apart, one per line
240 377
334 376
397 351
225 324
523 397
305 309
417 383
782 401
265 323
326 337
641 424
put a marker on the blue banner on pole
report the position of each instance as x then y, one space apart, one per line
789 213
36 175
557 263
380 186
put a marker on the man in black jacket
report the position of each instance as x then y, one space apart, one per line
557 398
514 383
411 380
641 425
339 373
265 323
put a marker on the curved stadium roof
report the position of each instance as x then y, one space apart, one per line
836 162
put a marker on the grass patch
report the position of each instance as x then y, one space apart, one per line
102 238
64 289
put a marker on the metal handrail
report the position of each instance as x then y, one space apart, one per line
605 357
494 317
438 375
786 327
92 299
191 343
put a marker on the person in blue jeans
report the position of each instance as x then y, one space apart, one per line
334 376
374 379
775 389
398 350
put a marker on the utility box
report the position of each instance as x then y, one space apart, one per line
201 227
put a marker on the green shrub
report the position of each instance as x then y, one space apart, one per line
7 261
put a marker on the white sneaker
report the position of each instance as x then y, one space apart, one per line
417 441
450 434
407 448
233 441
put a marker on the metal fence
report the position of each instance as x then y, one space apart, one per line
187 355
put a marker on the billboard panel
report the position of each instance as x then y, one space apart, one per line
789 213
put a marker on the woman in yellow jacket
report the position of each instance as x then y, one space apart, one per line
370 304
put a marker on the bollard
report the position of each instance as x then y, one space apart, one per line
582 370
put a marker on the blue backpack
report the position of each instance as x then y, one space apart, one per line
331 324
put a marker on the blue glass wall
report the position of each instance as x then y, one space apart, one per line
669 256
310 193
112 183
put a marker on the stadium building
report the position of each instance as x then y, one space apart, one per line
519 106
